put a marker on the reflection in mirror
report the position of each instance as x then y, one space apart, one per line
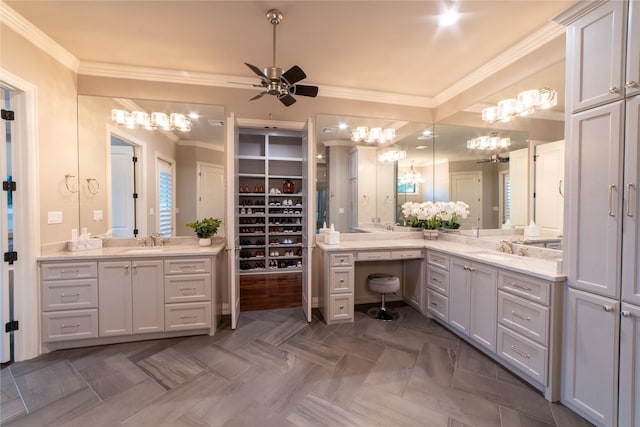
139 180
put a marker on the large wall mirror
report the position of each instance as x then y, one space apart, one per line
141 178
505 187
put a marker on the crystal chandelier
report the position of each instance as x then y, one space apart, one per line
153 121
370 135
525 104
392 156
492 142
411 177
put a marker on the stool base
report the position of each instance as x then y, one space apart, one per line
384 314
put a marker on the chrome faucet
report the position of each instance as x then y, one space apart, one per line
155 239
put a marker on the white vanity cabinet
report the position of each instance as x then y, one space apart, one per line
131 295
437 285
473 292
69 299
187 293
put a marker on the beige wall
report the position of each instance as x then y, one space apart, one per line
56 125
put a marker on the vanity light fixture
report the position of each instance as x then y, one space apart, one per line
392 155
153 121
491 142
525 104
370 135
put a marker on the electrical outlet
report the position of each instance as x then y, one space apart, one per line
98 215
340 210
54 217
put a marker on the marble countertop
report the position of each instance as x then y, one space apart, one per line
543 268
112 252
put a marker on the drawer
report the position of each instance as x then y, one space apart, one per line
438 259
407 254
184 316
523 354
374 255
527 287
438 279
438 305
69 270
69 325
341 307
341 280
341 260
187 265
69 294
523 316
187 288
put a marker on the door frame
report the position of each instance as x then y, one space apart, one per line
27 243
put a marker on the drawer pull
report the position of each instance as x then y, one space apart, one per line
518 285
435 279
187 317
434 304
626 313
63 326
522 316
70 295
631 84
612 90
520 352
187 267
608 308
188 289
70 272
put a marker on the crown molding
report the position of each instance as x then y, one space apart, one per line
576 11
516 52
200 144
262 124
26 29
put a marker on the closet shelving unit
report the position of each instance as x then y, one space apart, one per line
270 222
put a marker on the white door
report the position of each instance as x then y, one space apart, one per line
309 225
549 186
467 187
519 187
594 189
122 209
483 308
233 244
631 226
590 356
629 414
210 192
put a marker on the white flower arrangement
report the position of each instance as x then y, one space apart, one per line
434 215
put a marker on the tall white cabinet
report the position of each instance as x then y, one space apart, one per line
601 350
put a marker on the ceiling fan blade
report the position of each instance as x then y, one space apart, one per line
247 84
260 95
287 100
293 75
257 70
305 90
485 161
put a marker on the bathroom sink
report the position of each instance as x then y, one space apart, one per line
144 250
494 256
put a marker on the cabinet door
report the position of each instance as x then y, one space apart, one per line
631 228
590 359
484 306
632 82
147 292
594 149
629 411
459 295
114 298
595 68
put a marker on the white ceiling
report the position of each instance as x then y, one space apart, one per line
387 46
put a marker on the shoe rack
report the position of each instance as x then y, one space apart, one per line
270 202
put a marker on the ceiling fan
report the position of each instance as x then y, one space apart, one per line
274 81
495 158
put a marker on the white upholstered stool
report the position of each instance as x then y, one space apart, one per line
383 283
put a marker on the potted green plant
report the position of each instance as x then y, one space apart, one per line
205 229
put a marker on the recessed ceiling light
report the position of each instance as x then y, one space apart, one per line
194 115
421 147
342 126
448 17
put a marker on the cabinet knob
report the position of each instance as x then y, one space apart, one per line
613 90
631 84
341 280
626 313
608 308
342 307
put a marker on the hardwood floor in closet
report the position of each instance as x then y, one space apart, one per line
278 370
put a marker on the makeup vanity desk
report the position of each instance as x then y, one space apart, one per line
507 306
